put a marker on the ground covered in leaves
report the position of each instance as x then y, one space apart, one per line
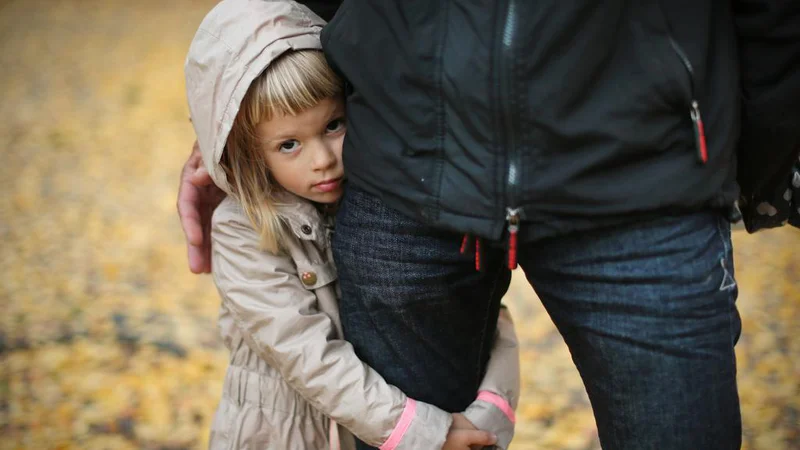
107 341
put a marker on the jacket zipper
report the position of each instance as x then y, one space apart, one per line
694 110
512 217
513 169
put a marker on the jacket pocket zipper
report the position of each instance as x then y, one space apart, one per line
694 110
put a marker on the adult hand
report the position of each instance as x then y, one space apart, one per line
198 196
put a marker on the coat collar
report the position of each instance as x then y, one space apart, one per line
304 219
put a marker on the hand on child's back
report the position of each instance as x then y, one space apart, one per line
464 436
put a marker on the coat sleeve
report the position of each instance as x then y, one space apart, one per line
281 321
498 396
768 35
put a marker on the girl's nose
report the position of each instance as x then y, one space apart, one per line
324 157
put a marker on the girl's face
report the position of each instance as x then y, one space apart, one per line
304 152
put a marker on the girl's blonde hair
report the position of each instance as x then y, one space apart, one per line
293 83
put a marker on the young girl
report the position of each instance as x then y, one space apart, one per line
269 118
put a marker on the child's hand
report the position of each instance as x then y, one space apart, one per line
464 436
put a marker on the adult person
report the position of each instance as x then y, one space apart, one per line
595 144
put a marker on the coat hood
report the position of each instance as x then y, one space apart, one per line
234 44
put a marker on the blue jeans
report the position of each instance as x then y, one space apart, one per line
647 310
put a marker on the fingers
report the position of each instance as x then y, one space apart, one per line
196 259
461 422
197 172
464 439
200 177
189 209
200 255
479 437
197 198
199 259
195 160
189 212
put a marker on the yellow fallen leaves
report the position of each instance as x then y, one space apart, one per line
103 389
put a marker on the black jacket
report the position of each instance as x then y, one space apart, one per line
569 115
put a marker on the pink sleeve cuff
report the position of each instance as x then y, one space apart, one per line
409 412
499 402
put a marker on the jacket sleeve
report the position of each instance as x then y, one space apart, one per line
768 35
498 396
281 321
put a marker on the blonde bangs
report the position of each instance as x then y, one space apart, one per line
293 83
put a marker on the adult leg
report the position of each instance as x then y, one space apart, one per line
648 312
413 306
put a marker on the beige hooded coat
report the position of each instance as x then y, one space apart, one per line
290 371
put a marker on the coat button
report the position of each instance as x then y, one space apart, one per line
306 229
308 278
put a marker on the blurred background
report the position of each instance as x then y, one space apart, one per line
108 342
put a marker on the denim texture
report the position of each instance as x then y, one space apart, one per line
412 305
647 310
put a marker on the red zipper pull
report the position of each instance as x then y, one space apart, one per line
465 244
513 227
699 132
478 265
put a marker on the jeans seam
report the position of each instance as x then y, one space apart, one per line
486 322
724 237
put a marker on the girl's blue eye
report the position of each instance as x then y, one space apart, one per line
335 125
289 146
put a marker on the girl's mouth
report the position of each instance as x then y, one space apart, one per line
328 185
